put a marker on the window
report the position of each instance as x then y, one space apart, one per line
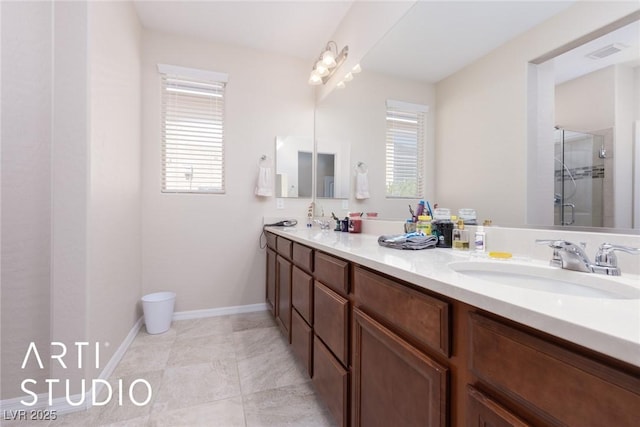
192 130
405 149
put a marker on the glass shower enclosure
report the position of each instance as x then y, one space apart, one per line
580 186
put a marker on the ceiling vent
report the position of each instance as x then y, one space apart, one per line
606 51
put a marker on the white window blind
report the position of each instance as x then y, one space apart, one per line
405 149
192 130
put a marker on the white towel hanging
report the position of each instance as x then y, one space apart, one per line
362 181
264 186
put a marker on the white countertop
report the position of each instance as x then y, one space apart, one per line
609 326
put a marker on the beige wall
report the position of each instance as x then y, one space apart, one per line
481 117
114 276
587 104
71 269
205 246
26 191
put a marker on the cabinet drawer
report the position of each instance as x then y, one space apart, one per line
283 247
303 257
483 411
558 385
302 341
416 316
302 293
283 291
333 272
331 382
271 280
331 321
271 240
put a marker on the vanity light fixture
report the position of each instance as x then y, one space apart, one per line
327 64
349 76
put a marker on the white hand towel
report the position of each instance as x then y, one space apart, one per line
362 185
264 185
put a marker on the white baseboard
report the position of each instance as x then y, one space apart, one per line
222 311
61 405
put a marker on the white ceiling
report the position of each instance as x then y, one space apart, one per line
432 41
298 28
438 38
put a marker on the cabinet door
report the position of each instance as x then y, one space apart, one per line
271 280
394 384
283 292
485 412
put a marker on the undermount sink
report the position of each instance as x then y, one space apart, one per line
547 279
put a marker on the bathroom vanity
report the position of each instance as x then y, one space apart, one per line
393 337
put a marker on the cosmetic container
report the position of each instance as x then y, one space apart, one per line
460 237
424 225
480 239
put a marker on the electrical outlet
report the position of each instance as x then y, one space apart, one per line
345 205
279 203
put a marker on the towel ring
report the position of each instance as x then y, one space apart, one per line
362 167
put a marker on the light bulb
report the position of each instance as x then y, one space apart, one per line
328 59
314 79
341 85
348 77
356 69
321 69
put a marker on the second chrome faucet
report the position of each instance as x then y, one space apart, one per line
571 256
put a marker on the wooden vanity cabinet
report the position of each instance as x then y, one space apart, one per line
383 352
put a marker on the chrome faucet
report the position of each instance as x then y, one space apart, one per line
570 256
607 261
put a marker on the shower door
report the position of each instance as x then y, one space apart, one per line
579 178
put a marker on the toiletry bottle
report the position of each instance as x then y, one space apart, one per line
460 237
420 209
410 226
424 225
441 225
480 239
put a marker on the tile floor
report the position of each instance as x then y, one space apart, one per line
224 371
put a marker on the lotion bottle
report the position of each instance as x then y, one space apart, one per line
480 239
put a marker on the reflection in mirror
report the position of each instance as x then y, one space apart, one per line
354 119
591 88
332 169
582 178
294 166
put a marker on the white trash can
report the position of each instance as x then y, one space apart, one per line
158 311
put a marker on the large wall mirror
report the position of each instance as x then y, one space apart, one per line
443 54
594 91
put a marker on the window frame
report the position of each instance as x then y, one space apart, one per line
405 113
192 126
